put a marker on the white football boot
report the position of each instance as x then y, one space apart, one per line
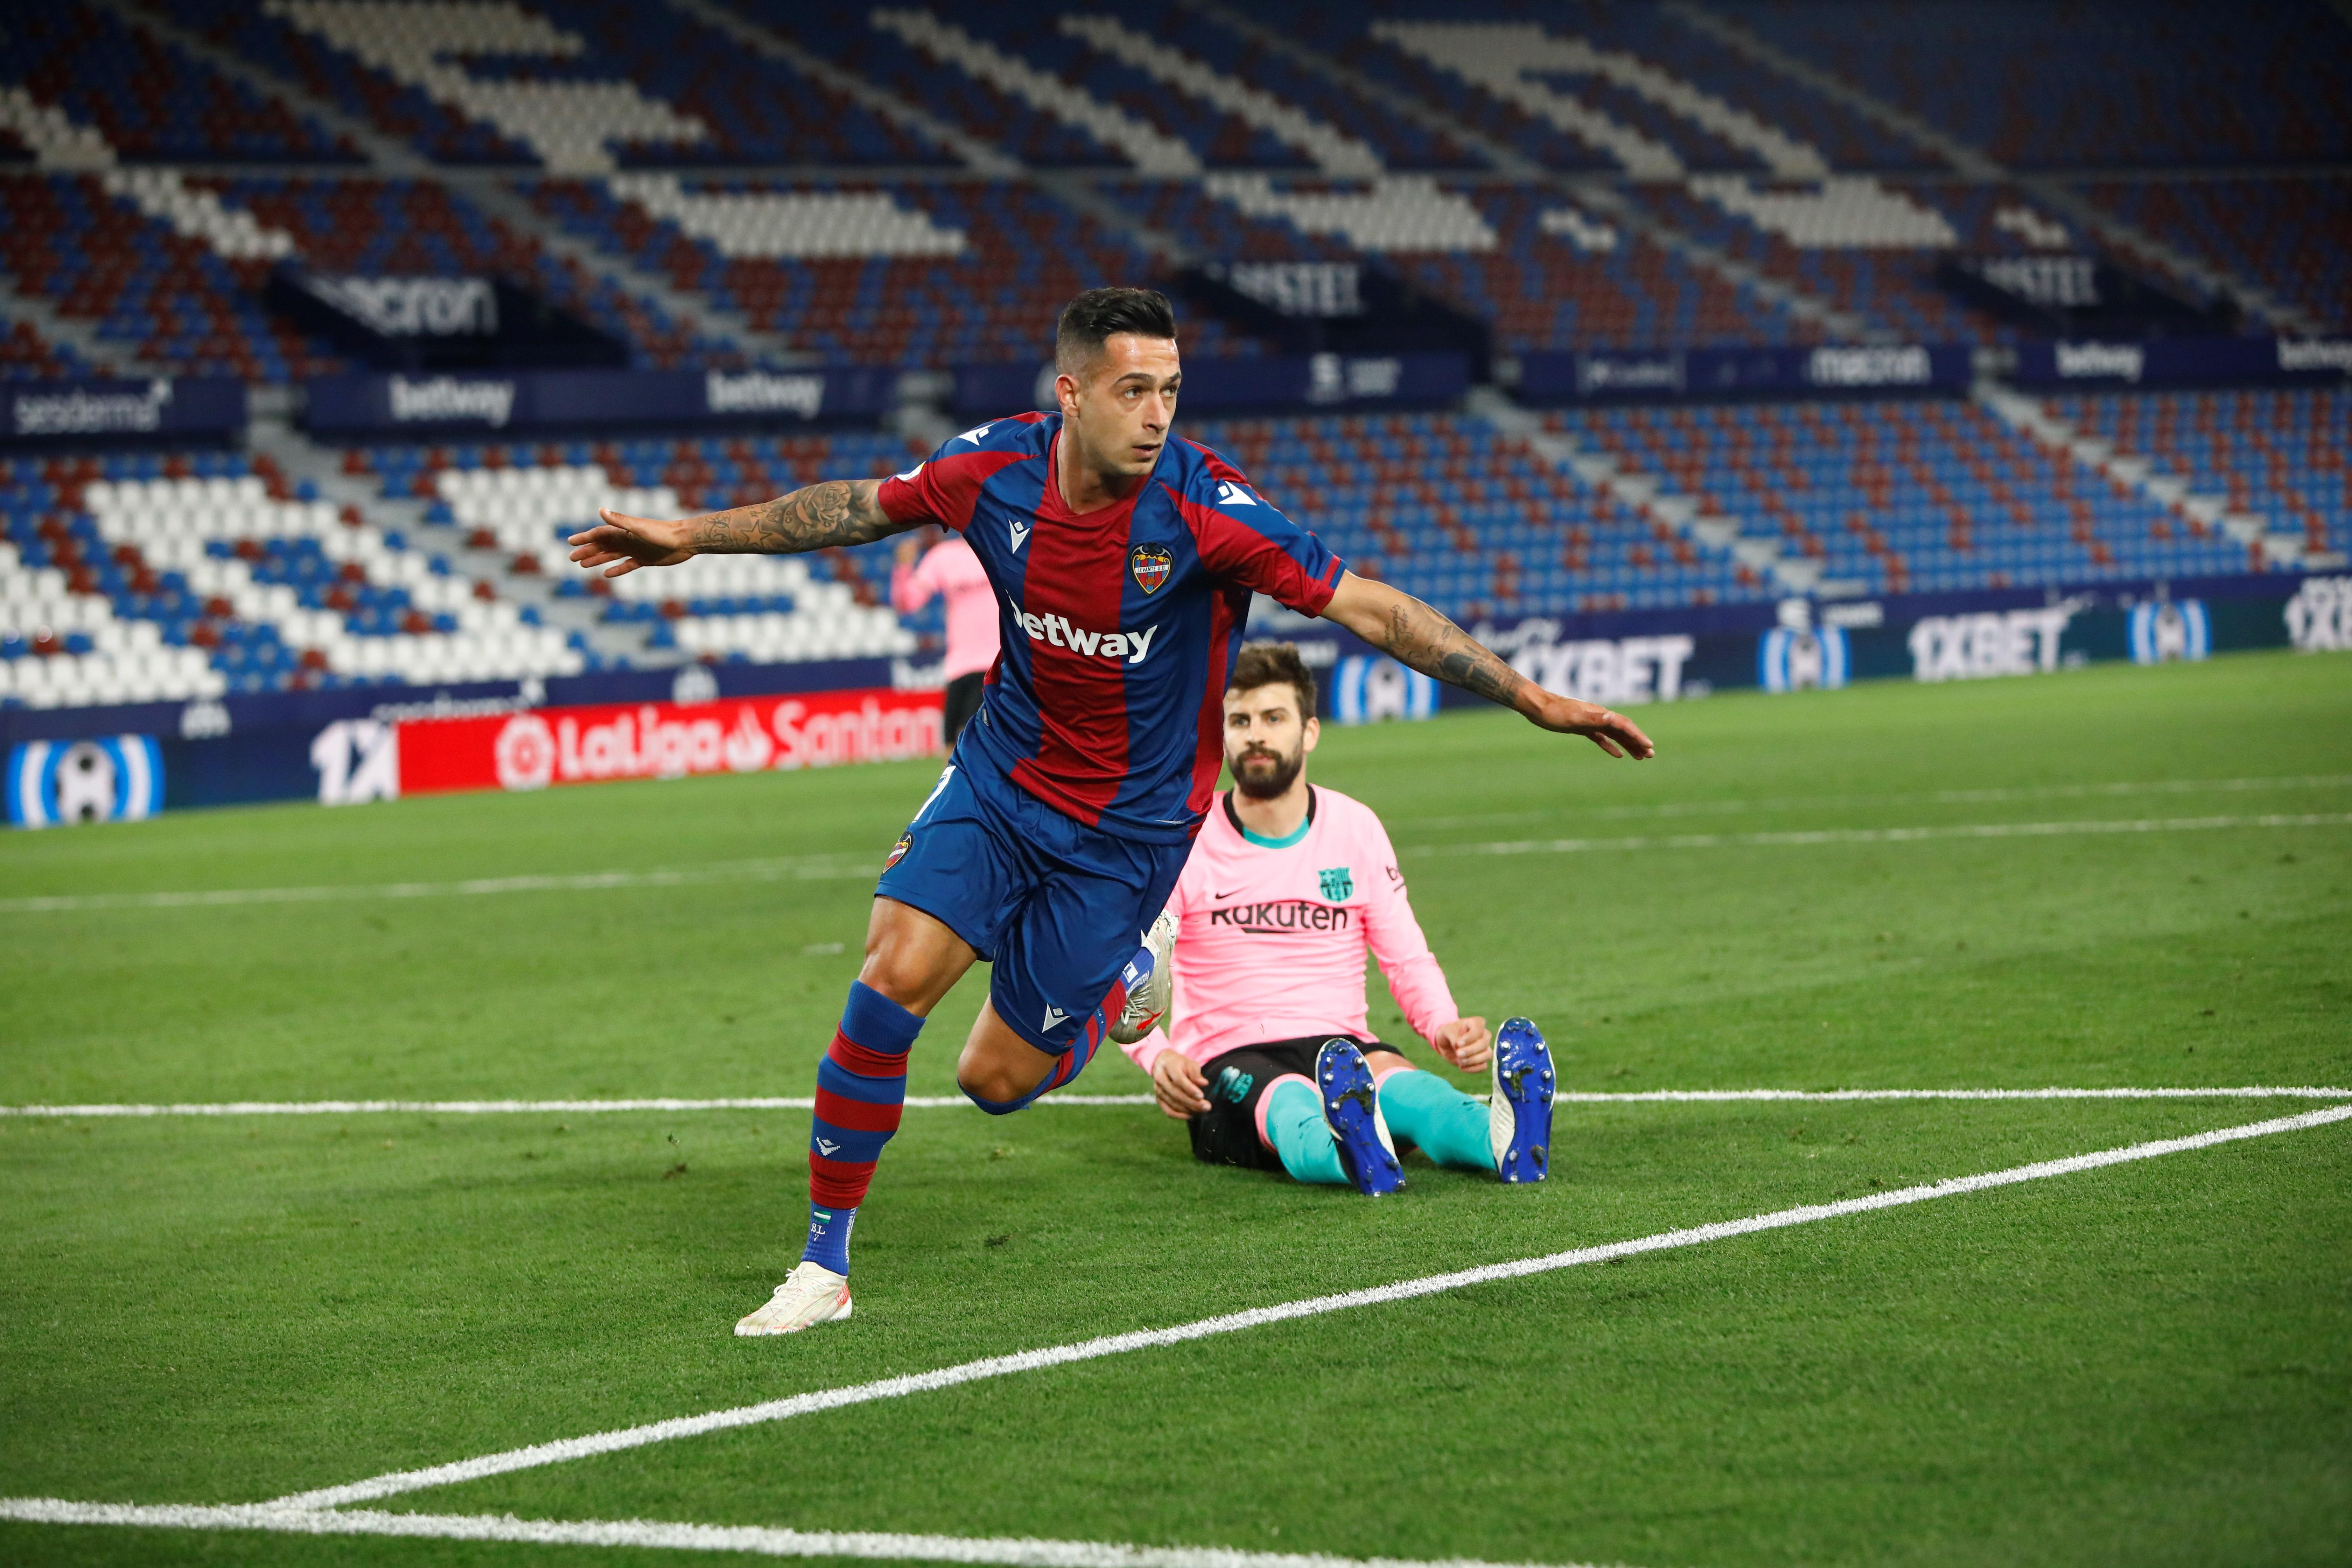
1150 983
810 1294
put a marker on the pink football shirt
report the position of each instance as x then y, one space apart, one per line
1271 938
952 570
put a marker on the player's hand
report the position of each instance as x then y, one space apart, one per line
1467 1043
1176 1084
626 543
909 550
1613 732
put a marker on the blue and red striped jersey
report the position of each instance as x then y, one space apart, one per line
1117 625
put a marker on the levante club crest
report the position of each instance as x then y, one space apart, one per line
1150 563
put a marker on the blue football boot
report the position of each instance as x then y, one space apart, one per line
1519 1112
1351 1105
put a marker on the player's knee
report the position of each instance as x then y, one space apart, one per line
999 1094
896 976
1000 1081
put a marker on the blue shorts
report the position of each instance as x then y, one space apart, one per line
1057 907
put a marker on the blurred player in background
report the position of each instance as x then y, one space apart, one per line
1272 1065
949 569
1124 562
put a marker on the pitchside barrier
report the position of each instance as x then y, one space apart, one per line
95 765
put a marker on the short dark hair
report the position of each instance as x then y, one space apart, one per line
1271 664
1096 314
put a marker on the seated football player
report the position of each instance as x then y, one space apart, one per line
1263 943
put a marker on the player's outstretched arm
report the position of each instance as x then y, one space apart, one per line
1420 637
817 517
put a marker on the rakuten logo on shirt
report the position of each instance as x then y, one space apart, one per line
1056 632
1273 918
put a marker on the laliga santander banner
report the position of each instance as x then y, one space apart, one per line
665 740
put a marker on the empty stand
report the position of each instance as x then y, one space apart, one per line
2293 237
1547 275
420 226
1399 143
172 577
2283 459
156 294
266 36
2116 82
1866 247
525 501
930 274
1469 519
146 99
1906 496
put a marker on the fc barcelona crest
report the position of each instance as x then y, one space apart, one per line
1150 563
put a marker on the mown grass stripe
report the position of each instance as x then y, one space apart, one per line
957 1101
831 868
751 1540
570 1448
1827 837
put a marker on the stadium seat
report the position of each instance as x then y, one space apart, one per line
526 502
2287 235
2102 82
114 89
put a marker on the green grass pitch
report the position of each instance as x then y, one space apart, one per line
2150 1363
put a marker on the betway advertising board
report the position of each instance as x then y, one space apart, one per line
2184 361
494 402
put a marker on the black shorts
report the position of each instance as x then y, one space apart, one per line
963 701
1226 1133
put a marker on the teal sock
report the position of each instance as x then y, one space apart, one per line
1293 1120
1445 1123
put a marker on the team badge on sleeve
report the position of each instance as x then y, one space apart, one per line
898 850
1150 563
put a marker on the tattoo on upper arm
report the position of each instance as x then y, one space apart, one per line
816 517
1420 637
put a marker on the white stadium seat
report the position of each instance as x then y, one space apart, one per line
568 123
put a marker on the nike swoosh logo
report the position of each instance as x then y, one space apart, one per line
1221 898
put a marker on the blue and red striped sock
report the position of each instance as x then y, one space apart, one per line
861 1091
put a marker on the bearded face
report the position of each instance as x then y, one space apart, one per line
1261 772
1267 740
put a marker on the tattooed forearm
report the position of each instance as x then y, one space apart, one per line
1424 639
838 511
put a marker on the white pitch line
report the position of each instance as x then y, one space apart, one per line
796 868
1810 837
513 1107
755 1540
569 1449
834 867
958 1102
1680 1096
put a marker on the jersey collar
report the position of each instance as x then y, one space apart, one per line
1260 839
